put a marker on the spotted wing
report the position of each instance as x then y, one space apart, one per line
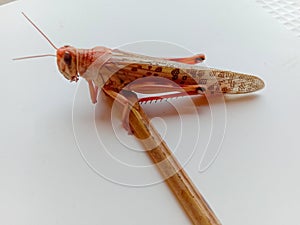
124 68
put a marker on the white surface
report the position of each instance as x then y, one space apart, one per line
44 178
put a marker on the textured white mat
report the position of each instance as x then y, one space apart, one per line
286 12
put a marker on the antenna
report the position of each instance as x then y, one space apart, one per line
34 56
38 29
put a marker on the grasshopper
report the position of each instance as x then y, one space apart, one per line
115 72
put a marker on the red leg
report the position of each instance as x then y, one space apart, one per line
123 100
196 91
190 60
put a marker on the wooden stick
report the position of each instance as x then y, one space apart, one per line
174 175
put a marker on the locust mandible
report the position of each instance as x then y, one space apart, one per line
115 71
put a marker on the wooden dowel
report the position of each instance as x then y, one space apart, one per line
174 175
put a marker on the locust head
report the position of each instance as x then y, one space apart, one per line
69 58
66 57
67 62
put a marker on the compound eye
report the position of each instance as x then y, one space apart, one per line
67 58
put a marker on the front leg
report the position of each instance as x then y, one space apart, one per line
93 91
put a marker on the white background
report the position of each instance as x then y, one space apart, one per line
44 178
